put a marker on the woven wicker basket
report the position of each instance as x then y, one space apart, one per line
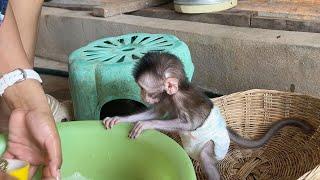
288 155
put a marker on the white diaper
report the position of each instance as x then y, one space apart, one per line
214 128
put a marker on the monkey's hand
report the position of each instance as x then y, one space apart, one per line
139 127
109 122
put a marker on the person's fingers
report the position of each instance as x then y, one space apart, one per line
26 153
18 116
49 178
8 155
4 176
46 173
32 171
53 147
49 138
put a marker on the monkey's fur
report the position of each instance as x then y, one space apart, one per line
164 84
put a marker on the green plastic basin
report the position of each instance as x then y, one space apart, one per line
92 152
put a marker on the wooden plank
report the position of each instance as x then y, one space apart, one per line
256 14
230 17
298 1
295 15
105 8
118 7
76 4
70 6
303 11
266 14
285 24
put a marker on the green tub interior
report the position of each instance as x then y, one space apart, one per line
92 152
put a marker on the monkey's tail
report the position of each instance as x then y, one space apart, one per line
306 127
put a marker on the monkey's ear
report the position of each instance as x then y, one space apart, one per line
171 85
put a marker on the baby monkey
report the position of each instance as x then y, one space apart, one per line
202 128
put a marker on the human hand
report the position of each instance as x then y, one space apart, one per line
32 132
5 176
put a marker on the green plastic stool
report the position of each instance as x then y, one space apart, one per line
101 71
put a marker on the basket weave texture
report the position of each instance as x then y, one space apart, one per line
288 155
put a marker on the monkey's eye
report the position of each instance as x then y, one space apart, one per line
153 95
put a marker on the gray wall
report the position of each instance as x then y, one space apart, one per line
227 59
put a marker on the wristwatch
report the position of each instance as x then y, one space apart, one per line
17 76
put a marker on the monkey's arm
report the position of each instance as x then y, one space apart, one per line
166 125
143 116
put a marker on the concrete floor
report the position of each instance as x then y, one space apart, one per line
54 85
227 59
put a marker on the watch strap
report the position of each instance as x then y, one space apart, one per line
16 76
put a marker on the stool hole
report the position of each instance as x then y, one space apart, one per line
135 56
128 49
166 45
144 39
157 39
110 43
157 50
121 41
121 59
108 59
133 38
121 107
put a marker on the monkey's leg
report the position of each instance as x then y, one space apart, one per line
208 161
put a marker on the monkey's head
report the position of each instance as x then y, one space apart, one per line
159 75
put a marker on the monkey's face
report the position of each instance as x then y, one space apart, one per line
151 92
150 97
